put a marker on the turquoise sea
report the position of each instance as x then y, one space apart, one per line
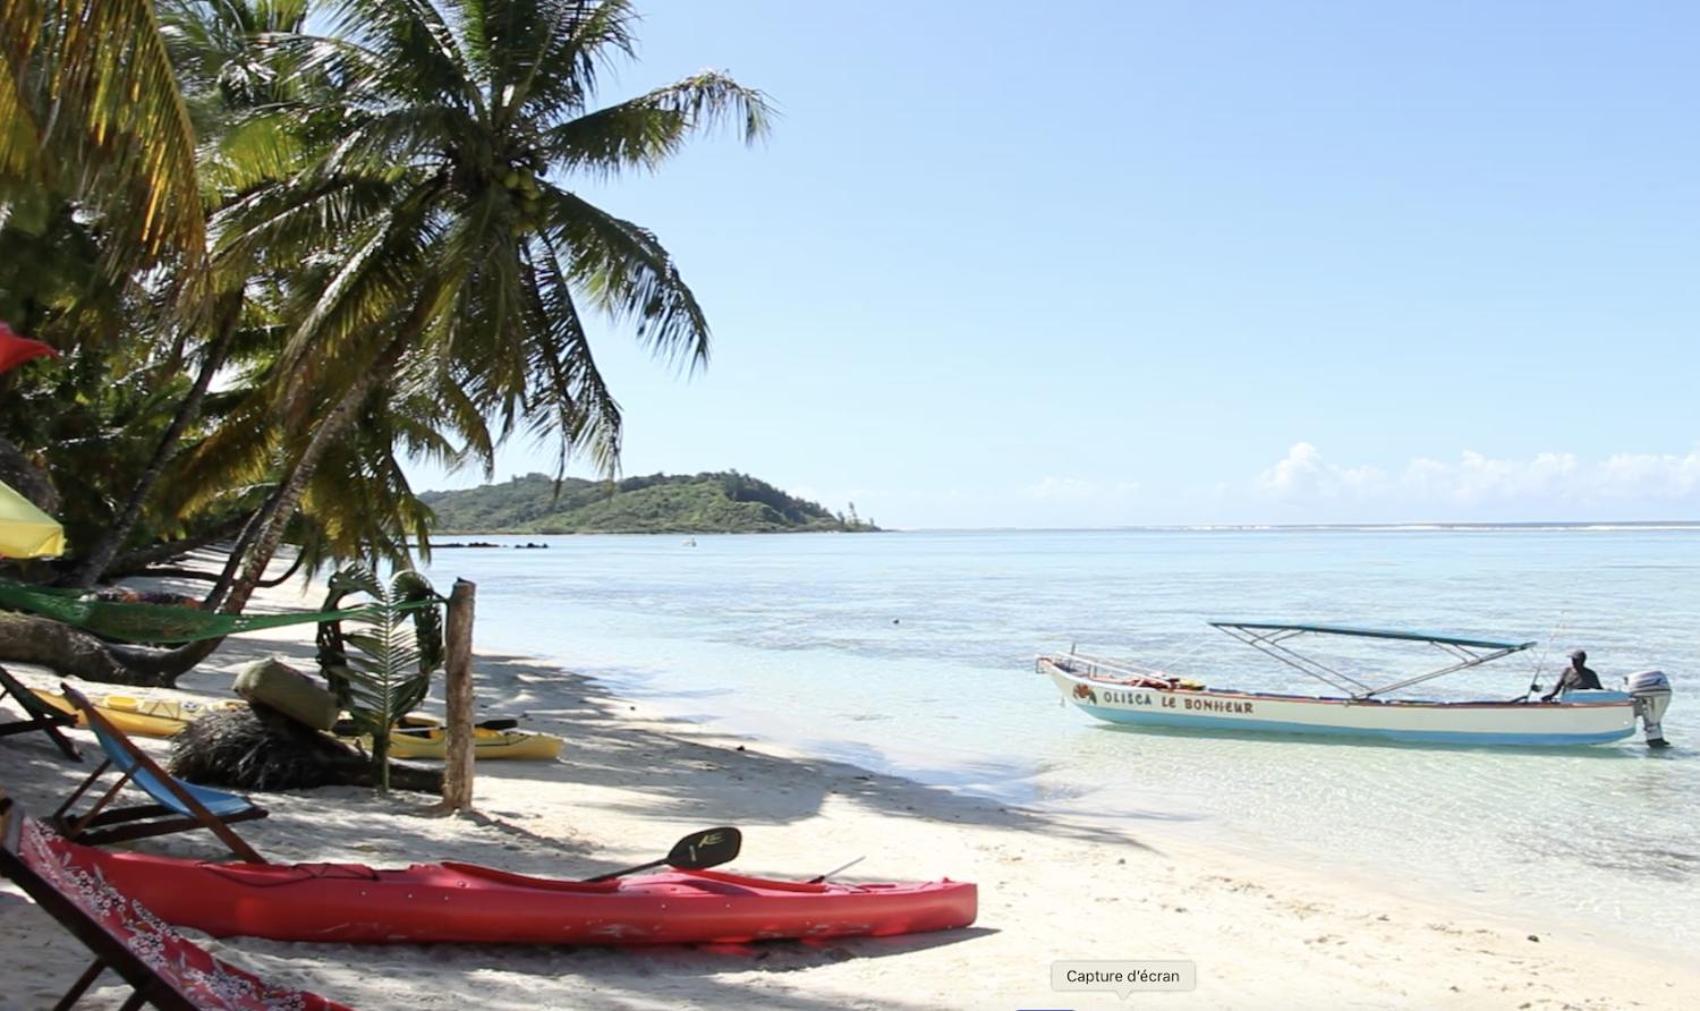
913 653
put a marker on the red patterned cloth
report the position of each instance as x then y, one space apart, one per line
202 979
15 350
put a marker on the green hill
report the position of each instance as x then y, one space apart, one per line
659 504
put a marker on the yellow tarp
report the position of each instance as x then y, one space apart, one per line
25 531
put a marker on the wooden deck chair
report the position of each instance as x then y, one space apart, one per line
40 716
163 968
177 807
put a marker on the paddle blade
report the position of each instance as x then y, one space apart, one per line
708 848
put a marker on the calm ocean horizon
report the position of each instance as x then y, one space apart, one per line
913 652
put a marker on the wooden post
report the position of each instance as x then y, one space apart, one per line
458 764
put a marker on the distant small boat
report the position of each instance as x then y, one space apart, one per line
690 542
1127 693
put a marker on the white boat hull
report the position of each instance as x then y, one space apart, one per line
1603 717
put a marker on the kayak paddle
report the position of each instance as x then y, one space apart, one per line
836 871
710 847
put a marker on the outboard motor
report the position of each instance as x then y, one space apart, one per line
1650 690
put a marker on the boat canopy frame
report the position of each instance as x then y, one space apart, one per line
1270 638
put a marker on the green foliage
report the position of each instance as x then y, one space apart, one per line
721 502
89 102
397 651
367 224
88 420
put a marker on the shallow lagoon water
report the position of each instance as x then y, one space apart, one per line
913 653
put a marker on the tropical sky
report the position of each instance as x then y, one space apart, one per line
1099 263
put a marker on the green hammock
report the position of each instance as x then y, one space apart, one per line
157 624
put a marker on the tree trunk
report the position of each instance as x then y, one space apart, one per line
153 554
175 572
233 563
100 558
381 758
67 651
278 511
280 507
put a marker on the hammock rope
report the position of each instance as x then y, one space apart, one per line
160 624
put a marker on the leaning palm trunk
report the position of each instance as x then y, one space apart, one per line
100 558
275 515
71 652
160 552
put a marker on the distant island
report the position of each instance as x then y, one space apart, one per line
710 503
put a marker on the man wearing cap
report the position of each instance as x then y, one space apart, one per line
1577 675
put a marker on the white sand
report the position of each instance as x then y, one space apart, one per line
1262 936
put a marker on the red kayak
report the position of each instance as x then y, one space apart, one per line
452 902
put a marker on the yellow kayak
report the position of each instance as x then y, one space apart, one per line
417 737
431 741
143 717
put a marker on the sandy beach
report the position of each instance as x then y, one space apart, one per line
1051 888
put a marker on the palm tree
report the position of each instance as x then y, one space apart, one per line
395 257
89 109
459 255
235 95
88 101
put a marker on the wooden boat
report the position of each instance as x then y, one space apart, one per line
452 902
141 716
1126 693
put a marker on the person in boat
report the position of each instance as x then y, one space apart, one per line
1576 676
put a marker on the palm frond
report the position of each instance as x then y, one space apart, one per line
115 120
391 674
645 131
416 46
579 410
626 273
256 151
18 139
571 44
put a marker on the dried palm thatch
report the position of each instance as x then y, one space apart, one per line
258 748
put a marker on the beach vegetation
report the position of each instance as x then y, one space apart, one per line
284 246
396 651
714 502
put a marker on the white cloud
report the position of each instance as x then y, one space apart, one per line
1304 474
1674 478
1476 484
1475 478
